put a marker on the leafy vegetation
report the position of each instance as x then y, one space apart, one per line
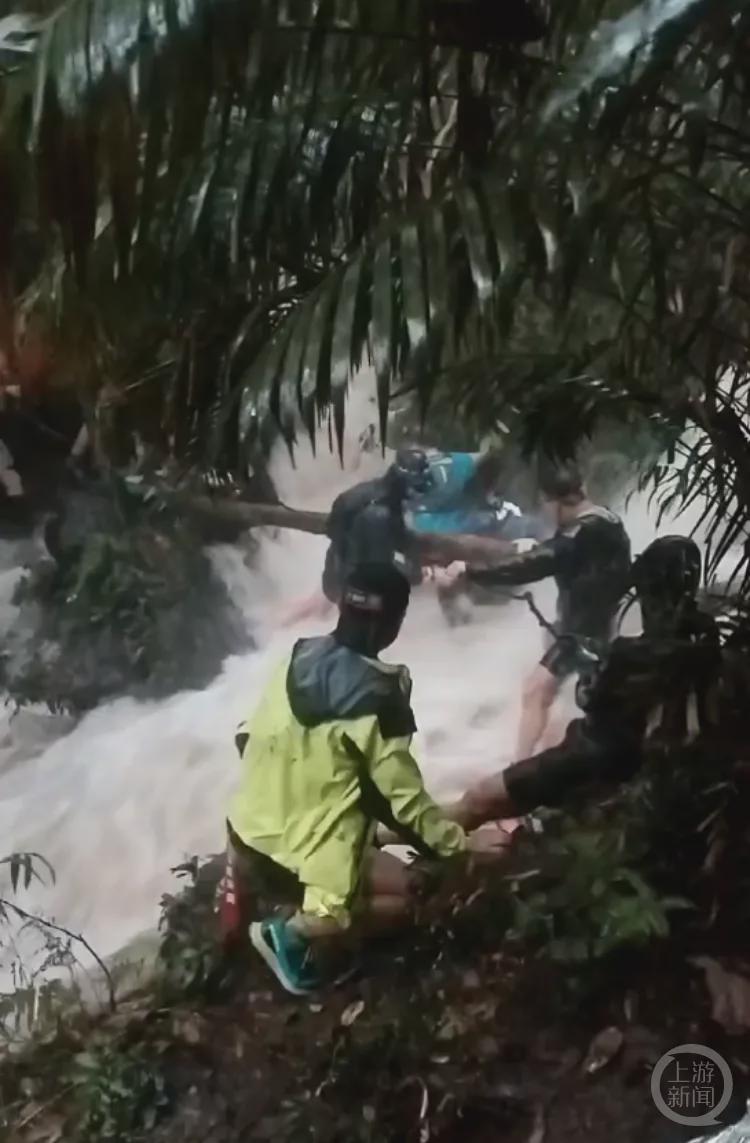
131 603
119 1091
190 958
540 218
595 900
31 948
213 214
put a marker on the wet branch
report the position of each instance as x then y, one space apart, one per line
77 937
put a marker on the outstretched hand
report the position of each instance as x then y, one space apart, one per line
522 546
490 844
452 576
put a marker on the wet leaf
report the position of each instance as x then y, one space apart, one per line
453 1024
630 1006
730 995
539 1126
352 1012
602 1050
190 1028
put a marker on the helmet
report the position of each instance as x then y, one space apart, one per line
669 570
411 469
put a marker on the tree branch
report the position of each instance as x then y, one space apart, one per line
78 937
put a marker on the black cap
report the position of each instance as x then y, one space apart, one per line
376 590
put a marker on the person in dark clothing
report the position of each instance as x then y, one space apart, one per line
589 557
366 523
654 687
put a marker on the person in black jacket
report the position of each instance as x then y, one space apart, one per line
589 557
366 523
656 687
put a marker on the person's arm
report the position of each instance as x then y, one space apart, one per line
529 567
393 792
444 549
549 778
398 778
336 519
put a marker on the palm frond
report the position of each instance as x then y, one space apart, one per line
556 228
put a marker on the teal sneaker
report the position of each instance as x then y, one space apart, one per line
287 954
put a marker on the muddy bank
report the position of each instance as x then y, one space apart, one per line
445 1036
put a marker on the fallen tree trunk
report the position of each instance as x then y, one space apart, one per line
435 548
230 517
239 515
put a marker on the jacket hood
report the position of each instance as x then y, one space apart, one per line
327 682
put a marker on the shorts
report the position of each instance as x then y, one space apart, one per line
587 756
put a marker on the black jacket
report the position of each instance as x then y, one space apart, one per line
643 687
366 525
590 561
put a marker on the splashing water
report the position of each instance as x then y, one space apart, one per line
133 788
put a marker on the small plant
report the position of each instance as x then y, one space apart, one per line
31 946
189 951
587 900
118 1091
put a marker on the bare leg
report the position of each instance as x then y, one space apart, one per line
386 876
539 693
386 903
389 891
554 733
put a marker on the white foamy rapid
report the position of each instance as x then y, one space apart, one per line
135 787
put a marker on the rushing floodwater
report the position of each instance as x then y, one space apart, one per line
135 787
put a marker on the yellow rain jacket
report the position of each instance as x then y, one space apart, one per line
324 758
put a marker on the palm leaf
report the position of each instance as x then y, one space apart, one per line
578 259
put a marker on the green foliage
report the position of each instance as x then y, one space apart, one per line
590 899
132 604
119 1091
545 223
189 954
689 807
30 948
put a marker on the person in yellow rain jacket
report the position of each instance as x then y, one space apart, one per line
325 758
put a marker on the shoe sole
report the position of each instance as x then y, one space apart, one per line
261 946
